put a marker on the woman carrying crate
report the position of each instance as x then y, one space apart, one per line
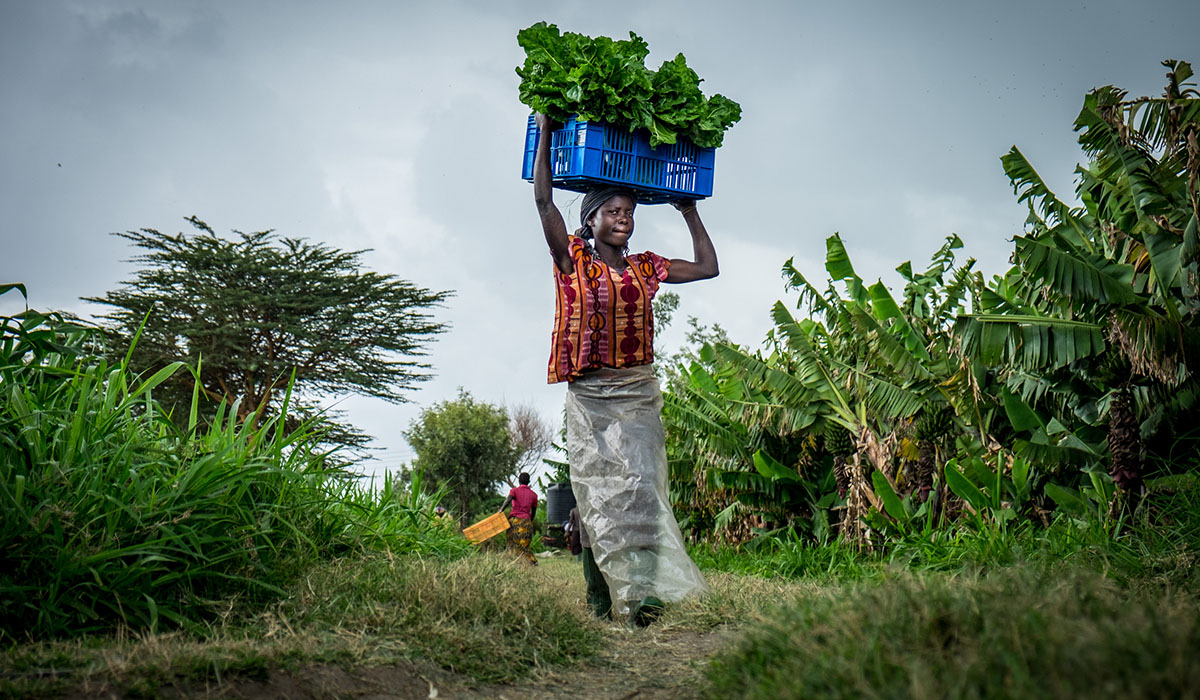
602 345
524 504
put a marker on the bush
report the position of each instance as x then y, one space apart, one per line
111 515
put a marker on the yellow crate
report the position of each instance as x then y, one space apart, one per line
487 528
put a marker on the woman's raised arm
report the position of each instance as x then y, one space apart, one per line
552 221
704 263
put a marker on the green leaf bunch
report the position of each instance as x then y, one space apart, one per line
601 79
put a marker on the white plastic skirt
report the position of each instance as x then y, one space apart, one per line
618 461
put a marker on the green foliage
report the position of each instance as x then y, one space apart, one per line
259 310
1153 549
993 495
671 367
901 515
601 79
560 470
464 447
865 372
1100 299
1092 501
113 515
972 404
395 517
664 305
787 557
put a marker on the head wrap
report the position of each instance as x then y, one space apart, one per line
592 201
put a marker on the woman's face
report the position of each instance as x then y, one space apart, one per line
612 224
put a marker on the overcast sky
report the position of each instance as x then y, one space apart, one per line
395 126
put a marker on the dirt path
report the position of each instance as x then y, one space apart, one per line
660 663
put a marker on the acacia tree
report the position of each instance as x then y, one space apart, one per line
465 446
261 311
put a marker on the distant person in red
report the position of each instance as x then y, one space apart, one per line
524 506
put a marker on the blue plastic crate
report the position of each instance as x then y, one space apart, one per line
589 154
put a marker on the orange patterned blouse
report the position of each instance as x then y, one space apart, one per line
603 318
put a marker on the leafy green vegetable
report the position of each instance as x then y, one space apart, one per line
601 79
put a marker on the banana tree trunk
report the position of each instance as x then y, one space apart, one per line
841 475
926 460
854 530
861 497
1125 448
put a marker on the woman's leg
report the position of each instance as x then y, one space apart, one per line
597 588
520 538
619 477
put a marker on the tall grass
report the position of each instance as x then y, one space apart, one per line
113 515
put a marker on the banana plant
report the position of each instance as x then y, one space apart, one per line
1096 324
1091 501
1088 342
862 363
901 515
997 494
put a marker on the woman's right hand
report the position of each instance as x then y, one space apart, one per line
683 205
545 123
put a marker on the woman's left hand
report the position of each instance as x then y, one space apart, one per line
703 264
545 123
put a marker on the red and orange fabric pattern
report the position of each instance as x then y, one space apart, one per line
603 318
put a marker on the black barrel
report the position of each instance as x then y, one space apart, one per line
559 502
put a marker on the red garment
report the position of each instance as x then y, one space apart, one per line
523 502
603 318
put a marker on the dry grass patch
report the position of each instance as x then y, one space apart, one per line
486 617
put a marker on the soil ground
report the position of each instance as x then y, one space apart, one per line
654 663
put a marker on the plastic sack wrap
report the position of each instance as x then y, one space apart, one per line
619 476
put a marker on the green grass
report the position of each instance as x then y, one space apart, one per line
1099 608
885 629
484 617
1020 632
788 558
